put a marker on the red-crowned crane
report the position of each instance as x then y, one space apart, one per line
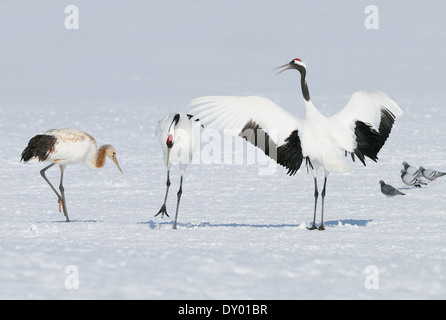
66 147
360 129
178 145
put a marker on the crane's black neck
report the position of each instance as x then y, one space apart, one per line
304 85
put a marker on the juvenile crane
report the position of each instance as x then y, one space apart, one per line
360 129
66 147
177 143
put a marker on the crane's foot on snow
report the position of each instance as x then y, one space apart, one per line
163 211
313 227
62 205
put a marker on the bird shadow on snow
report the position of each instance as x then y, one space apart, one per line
160 225
71 221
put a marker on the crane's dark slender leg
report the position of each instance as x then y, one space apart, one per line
59 197
180 192
163 210
316 195
321 227
62 192
42 173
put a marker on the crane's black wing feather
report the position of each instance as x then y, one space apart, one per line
288 154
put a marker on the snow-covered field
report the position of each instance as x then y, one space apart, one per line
240 235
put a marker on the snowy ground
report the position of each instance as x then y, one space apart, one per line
241 235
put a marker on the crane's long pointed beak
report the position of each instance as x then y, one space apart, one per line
287 66
168 156
117 164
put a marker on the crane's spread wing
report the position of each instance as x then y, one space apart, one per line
256 119
233 113
364 125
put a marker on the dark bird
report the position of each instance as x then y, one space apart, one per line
66 147
360 129
388 190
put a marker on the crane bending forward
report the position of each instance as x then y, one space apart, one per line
361 129
67 147
178 145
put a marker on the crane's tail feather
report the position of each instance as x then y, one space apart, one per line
38 149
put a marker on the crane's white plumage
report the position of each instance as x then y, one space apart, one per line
324 139
73 146
361 128
178 145
231 112
183 145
